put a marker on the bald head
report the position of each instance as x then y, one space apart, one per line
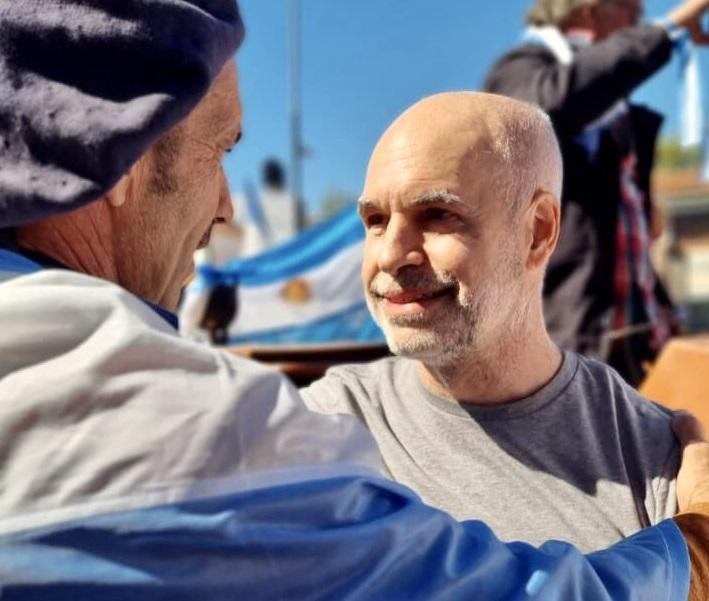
461 210
509 143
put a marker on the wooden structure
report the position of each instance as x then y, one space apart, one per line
305 363
679 378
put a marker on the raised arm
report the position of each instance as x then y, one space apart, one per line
599 75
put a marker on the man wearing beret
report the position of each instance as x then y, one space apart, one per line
137 465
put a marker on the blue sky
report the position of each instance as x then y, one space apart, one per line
363 62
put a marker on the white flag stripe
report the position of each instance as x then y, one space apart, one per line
331 287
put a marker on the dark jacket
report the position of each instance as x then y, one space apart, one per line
578 289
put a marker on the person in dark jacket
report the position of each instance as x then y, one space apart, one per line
579 60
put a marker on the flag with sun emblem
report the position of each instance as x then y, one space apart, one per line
307 290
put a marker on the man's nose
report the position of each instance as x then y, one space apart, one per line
225 209
401 246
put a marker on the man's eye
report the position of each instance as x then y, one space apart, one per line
434 214
374 220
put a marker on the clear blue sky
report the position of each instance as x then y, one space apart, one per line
363 62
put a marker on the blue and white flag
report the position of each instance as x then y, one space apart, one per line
693 124
691 110
307 290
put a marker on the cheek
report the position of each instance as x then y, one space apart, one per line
369 263
202 201
448 253
472 263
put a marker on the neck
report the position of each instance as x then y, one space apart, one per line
582 34
503 372
78 241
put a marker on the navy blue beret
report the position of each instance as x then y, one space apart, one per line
87 86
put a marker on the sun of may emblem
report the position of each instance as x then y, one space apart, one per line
296 291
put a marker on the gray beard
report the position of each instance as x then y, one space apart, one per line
437 339
442 343
453 332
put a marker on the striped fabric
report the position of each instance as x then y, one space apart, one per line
307 290
634 278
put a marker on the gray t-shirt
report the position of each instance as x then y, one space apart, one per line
585 459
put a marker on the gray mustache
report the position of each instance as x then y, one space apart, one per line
408 278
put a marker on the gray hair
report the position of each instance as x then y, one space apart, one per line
553 12
528 155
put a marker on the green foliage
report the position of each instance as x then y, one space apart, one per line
671 154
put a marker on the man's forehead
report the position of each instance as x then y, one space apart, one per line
458 142
434 144
420 169
219 114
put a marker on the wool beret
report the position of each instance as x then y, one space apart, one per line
87 86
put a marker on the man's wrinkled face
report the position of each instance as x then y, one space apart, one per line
442 267
180 192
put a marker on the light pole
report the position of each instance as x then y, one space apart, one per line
295 112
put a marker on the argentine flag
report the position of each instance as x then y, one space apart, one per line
305 291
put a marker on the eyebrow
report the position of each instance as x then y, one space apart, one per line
364 204
436 197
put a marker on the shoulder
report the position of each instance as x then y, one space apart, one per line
344 386
46 297
515 68
643 431
514 62
526 51
641 428
104 362
625 403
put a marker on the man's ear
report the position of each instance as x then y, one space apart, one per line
542 221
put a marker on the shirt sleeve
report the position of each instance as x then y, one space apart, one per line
330 394
340 538
598 76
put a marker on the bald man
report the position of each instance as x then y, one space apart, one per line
480 412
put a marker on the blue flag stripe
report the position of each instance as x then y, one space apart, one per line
306 251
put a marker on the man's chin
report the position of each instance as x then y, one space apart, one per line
413 345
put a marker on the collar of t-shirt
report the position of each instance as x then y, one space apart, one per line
514 409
